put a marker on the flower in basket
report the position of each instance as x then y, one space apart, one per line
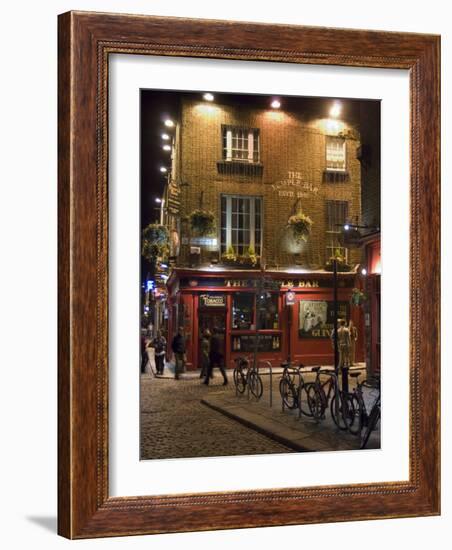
154 242
250 257
341 263
358 297
202 222
301 225
229 255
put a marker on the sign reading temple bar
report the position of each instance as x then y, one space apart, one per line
212 300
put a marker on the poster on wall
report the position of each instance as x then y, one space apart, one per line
316 318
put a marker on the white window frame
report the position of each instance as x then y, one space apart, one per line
228 150
344 151
256 246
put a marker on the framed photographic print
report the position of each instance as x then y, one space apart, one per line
248 275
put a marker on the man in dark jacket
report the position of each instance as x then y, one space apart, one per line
178 347
216 358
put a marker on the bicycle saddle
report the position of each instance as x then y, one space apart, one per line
354 374
315 369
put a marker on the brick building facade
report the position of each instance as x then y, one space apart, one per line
290 175
253 167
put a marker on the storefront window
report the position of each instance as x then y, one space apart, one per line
268 311
242 310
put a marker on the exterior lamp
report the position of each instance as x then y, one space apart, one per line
346 227
166 147
158 200
275 104
335 110
163 169
364 271
165 137
208 96
169 123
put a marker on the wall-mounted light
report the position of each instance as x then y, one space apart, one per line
169 123
346 227
364 271
335 110
158 200
165 137
275 104
166 147
208 96
163 169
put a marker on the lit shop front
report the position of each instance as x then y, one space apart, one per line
289 315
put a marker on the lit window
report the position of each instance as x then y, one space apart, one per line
336 216
241 224
335 154
240 144
242 310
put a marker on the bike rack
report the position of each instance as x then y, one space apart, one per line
270 366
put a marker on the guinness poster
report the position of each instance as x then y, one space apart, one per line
316 318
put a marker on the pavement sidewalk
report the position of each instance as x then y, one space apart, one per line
285 426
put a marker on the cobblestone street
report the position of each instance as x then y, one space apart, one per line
175 424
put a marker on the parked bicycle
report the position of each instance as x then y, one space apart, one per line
294 390
324 393
362 418
246 375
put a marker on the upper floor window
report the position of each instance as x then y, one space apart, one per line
240 144
241 224
335 154
336 217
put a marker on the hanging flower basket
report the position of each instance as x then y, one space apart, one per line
202 222
301 225
358 297
154 242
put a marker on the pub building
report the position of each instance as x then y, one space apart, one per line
244 172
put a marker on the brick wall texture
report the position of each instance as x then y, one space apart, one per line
292 152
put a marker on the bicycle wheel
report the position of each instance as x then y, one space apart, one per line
303 402
340 414
288 394
353 413
239 380
374 418
316 402
256 386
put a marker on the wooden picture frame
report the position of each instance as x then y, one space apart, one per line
85 508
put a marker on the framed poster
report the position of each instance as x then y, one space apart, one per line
109 66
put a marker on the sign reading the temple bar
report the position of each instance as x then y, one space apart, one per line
316 318
212 300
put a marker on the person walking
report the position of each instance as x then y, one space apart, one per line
178 348
205 351
144 355
216 358
159 345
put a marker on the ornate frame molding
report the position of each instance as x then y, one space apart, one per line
85 42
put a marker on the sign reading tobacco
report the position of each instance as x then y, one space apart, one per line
212 300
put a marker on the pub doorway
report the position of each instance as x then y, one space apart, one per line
212 320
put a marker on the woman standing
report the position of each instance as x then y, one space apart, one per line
159 345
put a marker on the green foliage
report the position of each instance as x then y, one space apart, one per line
230 254
301 225
154 242
202 222
358 297
341 263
